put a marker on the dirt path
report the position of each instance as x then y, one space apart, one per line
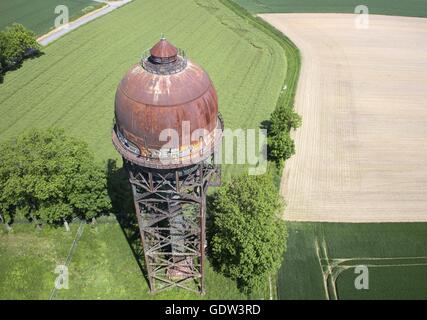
59 32
362 149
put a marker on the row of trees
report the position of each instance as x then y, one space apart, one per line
246 232
283 120
51 178
16 44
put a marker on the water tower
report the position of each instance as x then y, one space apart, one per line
167 129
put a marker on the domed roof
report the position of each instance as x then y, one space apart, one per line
164 90
166 109
163 49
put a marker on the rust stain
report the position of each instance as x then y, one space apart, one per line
146 103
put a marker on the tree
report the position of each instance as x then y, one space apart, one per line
3 43
281 146
50 177
284 119
16 43
247 236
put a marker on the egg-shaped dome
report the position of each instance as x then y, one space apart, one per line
166 111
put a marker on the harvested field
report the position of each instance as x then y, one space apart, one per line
362 149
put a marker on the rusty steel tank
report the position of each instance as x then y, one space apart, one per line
166 111
167 129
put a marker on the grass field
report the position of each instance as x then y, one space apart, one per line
412 8
39 15
394 253
102 266
73 85
28 259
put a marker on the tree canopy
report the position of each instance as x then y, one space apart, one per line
50 177
16 43
247 236
281 146
283 121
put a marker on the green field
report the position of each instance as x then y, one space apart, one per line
28 259
39 15
102 266
73 85
415 8
396 256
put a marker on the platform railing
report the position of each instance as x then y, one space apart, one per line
167 68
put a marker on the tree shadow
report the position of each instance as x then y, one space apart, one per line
120 193
30 55
266 125
210 230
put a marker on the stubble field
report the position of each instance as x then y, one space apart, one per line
361 151
360 158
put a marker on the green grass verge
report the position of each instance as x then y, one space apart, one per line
301 275
413 8
293 58
39 15
102 266
28 258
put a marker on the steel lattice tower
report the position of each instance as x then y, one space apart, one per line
166 94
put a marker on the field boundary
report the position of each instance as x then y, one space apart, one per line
293 59
293 65
292 53
388 8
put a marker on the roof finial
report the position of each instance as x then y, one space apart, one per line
162 36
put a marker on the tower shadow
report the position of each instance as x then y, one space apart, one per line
120 193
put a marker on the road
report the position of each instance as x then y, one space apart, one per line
361 153
59 32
